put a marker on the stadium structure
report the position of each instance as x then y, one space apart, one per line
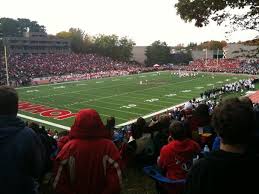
36 43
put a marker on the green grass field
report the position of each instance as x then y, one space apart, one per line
121 97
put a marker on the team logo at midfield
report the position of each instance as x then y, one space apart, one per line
44 111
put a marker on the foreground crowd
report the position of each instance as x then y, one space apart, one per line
91 157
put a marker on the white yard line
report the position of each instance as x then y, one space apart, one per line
44 122
120 125
154 113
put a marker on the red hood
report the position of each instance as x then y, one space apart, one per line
88 124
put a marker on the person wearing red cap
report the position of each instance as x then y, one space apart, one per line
89 161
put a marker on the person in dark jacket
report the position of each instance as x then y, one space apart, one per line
21 151
232 168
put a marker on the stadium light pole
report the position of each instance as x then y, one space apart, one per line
217 56
6 63
206 55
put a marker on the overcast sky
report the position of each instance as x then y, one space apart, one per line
144 21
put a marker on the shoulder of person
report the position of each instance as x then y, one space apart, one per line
27 133
200 167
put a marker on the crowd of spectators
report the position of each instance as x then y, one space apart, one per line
238 86
249 66
223 65
91 157
24 68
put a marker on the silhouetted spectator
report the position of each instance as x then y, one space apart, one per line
229 170
22 154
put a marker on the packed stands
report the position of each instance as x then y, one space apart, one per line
223 65
213 65
24 68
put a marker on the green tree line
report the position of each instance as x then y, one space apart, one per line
107 45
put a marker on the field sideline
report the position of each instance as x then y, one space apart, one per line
122 97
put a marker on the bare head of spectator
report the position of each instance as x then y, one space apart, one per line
234 121
202 111
164 121
110 123
35 127
8 101
141 123
135 132
177 131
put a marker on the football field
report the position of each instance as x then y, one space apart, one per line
123 97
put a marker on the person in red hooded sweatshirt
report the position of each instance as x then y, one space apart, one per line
176 157
89 162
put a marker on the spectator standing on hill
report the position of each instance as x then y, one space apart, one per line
110 125
232 168
22 154
88 162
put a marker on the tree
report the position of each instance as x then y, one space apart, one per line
191 45
64 35
180 58
125 49
77 40
88 43
202 11
212 45
106 45
157 53
11 27
113 46
76 36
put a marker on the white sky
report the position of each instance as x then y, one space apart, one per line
144 21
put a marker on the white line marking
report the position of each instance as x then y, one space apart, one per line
150 115
59 87
170 95
31 91
186 91
44 122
